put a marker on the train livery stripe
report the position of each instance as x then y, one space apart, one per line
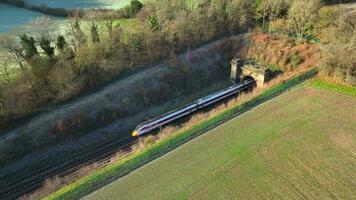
199 104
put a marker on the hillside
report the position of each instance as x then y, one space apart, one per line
301 145
70 98
109 115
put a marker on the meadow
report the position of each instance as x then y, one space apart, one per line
81 3
12 18
298 145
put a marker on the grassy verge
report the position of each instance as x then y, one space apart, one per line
127 24
123 167
323 85
286 148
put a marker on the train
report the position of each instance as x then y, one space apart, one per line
158 122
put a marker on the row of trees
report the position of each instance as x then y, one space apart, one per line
337 29
42 67
96 48
334 26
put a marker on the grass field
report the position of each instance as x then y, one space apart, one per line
323 85
298 145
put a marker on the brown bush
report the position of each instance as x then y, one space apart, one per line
281 51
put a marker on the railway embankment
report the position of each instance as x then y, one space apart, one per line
290 139
69 131
110 114
153 148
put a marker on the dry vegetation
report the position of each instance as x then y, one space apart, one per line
281 52
54 68
73 123
295 156
147 90
110 114
52 185
339 55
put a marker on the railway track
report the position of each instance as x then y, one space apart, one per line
36 180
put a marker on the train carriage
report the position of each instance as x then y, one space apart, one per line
165 119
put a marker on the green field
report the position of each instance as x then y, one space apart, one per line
298 145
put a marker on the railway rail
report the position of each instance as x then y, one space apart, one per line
104 153
36 180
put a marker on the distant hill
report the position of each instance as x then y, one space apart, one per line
18 3
337 1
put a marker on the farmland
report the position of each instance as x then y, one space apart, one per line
73 89
81 3
24 18
300 144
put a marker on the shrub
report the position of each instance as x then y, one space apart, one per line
295 60
135 7
273 67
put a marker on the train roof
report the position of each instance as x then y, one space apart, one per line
183 107
165 114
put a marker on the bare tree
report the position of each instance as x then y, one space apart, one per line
173 61
42 26
274 9
94 31
340 57
301 15
75 33
5 69
13 52
93 26
109 28
239 14
43 35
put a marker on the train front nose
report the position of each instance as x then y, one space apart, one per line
134 133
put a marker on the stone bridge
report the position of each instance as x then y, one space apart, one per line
241 70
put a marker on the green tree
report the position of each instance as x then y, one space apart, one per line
28 47
45 45
61 42
135 7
